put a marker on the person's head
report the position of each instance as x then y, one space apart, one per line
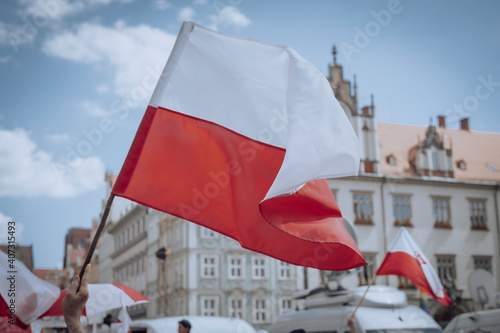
184 326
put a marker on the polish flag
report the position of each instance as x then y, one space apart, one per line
238 137
23 296
406 259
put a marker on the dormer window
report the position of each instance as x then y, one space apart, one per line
492 167
391 160
461 165
432 158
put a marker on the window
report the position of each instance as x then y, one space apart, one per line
401 209
492 167
482 262
362 208
259 311
477 214
235 267
391 160
404 283
441 211
284 270
259 268
236 308
461 165
435 165
208 266
446 267
285 305
208 233
209 306
367 271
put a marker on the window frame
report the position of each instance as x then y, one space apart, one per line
480 225
263 268
284 267
359 208
436 215
256 310
282 308
489 259
204 311
369 269
215 265
231 266
206 233
232 311
440 268
396 206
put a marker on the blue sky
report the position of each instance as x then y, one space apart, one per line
76 76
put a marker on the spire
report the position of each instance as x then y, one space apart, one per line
372 105
334 51
355 86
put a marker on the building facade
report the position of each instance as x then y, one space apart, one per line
76 245
209 274
442 184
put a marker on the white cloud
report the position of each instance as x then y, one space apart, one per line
15 35
186 14
102 88
26 171
95 110
58 9
229 16
4 229
138 53
55 9
57 138
4 33
161 4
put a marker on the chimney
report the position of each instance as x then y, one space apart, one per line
366 110
464 124
442 121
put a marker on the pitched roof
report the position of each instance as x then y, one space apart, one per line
476 149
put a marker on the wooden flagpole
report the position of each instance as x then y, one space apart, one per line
372 281
104 217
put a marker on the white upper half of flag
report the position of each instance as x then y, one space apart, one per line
405 243
265 92
32 295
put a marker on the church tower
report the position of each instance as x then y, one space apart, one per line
363 121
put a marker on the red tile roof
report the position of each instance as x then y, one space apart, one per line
476 149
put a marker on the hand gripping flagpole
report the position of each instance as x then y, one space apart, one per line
104 217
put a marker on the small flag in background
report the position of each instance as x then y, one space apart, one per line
238 137
405 258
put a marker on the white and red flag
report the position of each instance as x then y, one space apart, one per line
405 258
23 296
238 137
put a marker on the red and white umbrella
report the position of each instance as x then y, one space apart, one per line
102 297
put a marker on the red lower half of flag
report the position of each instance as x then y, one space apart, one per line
215 177
403 264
